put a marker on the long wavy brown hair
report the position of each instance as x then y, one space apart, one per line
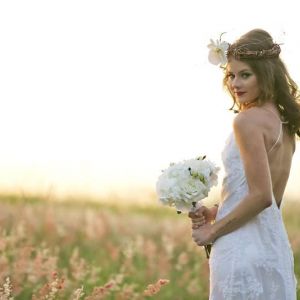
273 78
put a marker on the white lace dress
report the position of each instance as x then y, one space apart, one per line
256 260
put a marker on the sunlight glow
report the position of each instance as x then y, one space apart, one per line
99 96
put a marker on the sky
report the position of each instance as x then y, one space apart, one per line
97 97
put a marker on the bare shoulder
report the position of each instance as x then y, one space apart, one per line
249 121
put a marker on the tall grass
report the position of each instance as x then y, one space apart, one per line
74 250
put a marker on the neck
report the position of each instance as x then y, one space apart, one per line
248 105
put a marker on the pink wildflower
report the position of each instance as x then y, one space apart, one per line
153 289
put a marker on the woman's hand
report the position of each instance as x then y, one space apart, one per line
203 215
204 235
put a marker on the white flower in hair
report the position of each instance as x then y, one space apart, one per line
217 52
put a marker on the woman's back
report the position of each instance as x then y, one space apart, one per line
280 146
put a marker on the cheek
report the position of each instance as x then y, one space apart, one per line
255 87
229 86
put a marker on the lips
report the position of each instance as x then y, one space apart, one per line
239 94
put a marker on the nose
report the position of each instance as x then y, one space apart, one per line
236 83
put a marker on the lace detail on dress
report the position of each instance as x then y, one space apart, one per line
235 287
254 262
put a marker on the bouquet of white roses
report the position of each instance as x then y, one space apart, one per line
185 183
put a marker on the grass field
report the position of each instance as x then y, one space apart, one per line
77 250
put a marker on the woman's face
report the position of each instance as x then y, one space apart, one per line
242 82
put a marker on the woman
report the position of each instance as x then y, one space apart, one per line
251 257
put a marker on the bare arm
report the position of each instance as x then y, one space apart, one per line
250 140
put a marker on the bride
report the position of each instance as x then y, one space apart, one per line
251 257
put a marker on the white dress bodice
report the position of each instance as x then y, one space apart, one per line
254 262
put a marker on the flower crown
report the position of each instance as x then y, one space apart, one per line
221 50
240 52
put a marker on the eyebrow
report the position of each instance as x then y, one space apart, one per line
244 70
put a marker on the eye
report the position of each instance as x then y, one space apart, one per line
246 75
230 76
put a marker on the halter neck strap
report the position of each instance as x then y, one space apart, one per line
280 129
